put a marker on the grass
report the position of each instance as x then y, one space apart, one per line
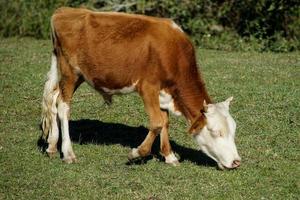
266 107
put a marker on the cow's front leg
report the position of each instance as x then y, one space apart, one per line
145 148
149 94
165 146
158 125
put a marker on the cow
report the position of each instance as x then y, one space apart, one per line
118 53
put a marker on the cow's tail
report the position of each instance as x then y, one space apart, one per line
51 91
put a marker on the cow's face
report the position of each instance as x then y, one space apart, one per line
216 137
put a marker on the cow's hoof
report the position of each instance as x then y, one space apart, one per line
133 154
69 157
51 153
174 163
70 160
172 160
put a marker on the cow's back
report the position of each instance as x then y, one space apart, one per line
117 49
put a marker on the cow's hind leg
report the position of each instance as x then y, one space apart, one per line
63 114
67 85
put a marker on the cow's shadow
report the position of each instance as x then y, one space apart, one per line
96 132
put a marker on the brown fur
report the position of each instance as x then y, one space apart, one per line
115 50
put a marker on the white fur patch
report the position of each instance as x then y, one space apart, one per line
166 102
216 138
52 74
49 98
135 153
175 26
63 110
171 158
52 77
123 90
53 132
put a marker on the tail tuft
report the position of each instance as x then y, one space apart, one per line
50 95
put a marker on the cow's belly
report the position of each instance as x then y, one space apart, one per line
123 90
114 88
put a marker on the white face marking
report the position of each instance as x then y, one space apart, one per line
216 139
166 102
123 90
175 26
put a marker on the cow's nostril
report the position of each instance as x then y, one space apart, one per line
236 163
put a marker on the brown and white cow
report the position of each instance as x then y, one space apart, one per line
118 53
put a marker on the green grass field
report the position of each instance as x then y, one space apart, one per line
266 90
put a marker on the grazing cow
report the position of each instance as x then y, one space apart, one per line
117 53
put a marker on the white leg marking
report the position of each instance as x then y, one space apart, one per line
63 110
134 154
171 159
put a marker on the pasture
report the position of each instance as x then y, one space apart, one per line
266 90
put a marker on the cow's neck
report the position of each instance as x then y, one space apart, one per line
190 95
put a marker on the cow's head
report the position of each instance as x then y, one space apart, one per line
214 131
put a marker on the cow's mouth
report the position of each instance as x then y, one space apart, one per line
224 167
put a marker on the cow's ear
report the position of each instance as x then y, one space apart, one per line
227 102
205 106
208 108
197 124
